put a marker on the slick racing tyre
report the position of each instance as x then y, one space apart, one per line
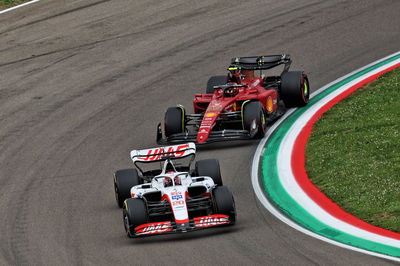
124 180
134 214
295 88
174 121
253 119
209 167
214 81
224 203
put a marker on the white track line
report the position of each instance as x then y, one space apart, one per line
18 6
271 208
297 193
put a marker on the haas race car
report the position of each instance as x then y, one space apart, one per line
238 105
163 195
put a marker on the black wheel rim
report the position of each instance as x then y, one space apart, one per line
262 122
126 224
305 91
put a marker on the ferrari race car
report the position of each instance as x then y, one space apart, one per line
239 105
171 197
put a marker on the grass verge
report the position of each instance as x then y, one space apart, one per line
9 3
353 154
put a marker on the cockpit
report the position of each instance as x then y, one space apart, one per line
169 181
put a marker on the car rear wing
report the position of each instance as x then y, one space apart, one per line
161 153
262 62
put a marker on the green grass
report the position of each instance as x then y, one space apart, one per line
9 3
353 154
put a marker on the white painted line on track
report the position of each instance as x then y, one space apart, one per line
18 6
276 212
271 208
293 188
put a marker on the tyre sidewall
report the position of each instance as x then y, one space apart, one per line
224 202
254 111
295 88
134 214
211 168
174 121
124 180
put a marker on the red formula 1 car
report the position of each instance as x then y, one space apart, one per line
239 105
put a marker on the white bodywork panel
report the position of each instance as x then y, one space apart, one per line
176 193
157 154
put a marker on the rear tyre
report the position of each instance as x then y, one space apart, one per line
124 180
224 203
214 81
254 120
295 88
134 214
211 168
174 121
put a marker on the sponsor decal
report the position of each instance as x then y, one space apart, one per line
211 220
255 83
176 197
158 153
215 107
153 228
178 202
205 127
270 104
210 114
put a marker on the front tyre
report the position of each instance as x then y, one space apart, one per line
253 119
224 203
295 88
134 214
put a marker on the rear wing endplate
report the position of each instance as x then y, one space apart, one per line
160 153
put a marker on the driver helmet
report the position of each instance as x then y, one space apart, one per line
177 180
234 69
231 92
167 181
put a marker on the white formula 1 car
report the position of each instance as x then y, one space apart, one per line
172 198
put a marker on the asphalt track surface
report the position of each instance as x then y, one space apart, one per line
84 82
